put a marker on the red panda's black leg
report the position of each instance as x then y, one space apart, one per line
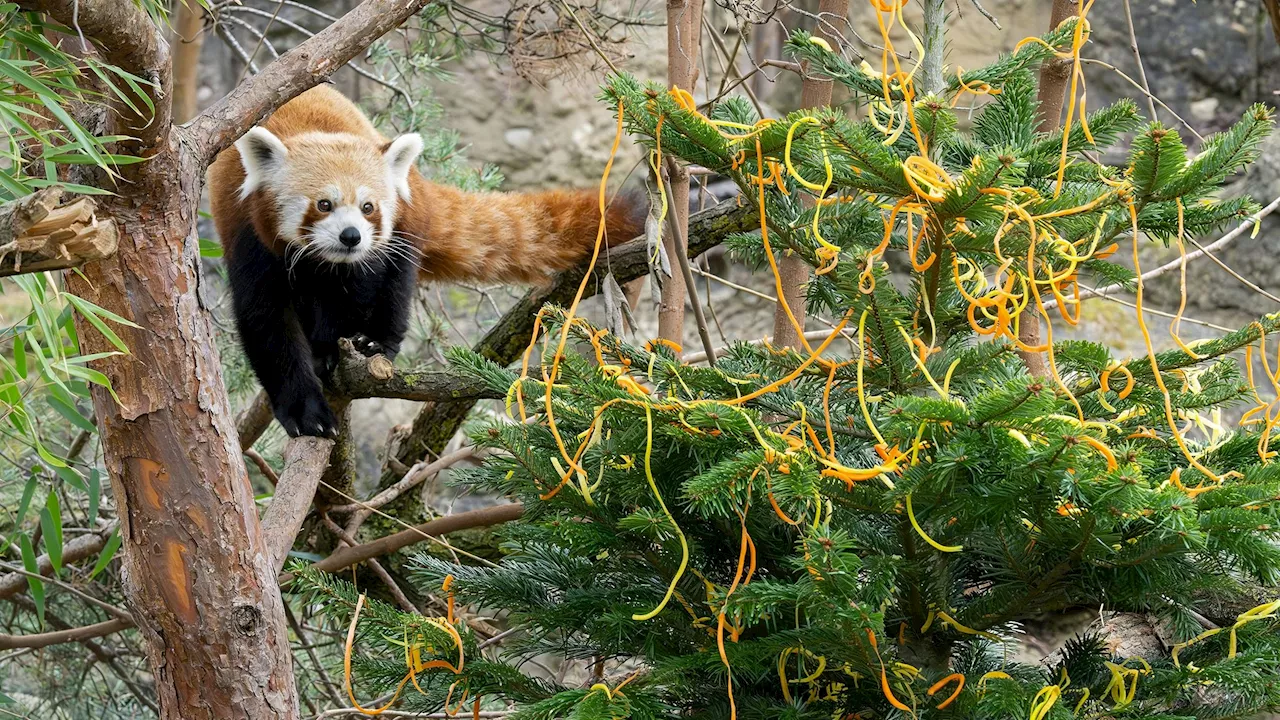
386 327
274 341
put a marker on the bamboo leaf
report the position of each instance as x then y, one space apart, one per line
108 552
51 524
34 584
95 494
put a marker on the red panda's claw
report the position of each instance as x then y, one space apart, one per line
307 413
369 347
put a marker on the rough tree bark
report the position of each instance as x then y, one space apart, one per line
197 574
793 271
1053 83
935 39
684 34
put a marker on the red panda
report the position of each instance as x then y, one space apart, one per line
326 227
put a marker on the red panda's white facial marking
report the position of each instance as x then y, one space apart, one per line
336 195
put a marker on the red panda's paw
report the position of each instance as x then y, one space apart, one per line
369 347
304 411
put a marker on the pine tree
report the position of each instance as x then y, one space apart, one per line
806 535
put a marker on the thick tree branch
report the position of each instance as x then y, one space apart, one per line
305 459
358 377
294 72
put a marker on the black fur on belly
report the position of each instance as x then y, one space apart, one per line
291 311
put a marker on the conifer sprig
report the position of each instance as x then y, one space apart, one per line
816 534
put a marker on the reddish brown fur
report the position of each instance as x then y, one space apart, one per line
519 238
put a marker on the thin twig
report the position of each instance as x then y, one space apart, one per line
724 53
1162 313
809 335
770 298
1146 92
325 680
498 638
254 32
1245 281
345 539
225 33
985 13
307 33
263 467
1175 264
105 606
1137 55
796 68
590 38
682 259
261 39
413 477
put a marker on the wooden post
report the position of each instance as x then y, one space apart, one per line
793 271
1053 83
684 33
186 41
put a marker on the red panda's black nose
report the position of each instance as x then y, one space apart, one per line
349 237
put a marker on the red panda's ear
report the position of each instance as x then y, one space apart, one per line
400 155
262 155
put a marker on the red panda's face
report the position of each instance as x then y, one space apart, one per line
336 195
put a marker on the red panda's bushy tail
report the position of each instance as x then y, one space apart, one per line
521 238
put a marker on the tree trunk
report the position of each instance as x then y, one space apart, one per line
188 37
195 569
197 574
935 40
684 28
793 272
1053 82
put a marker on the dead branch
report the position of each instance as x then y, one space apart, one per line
73 551
297 70
1168 267
305 458
40 232
415 477
484 517
263 466
39 640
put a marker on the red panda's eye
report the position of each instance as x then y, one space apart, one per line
324 205
367 208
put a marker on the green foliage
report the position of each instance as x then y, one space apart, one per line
804 535
39 82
